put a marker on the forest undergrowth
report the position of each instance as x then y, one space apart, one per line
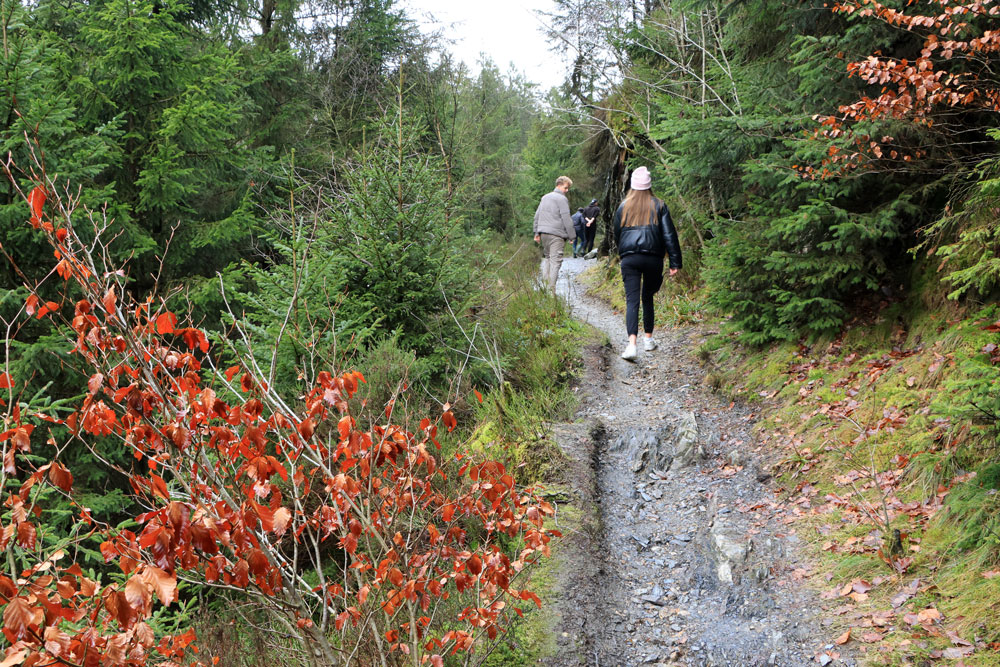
529 339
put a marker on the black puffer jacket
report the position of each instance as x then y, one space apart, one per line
658 238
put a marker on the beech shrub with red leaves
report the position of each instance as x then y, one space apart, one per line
953 74
349 529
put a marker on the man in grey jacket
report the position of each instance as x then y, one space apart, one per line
553 227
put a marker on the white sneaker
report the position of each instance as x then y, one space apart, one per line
630 352
648 344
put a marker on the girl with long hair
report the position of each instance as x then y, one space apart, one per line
644 235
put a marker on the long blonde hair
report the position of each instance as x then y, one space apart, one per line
638 208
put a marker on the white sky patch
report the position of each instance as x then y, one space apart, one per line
509 32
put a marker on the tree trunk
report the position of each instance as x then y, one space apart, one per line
321 654
614 192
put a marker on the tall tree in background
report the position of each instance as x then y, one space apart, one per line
492 131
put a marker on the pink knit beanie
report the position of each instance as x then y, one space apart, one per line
641 179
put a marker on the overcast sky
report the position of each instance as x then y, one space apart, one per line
507 31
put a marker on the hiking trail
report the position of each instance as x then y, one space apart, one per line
676 560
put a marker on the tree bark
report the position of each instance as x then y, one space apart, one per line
614 192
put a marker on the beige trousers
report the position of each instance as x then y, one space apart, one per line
552 257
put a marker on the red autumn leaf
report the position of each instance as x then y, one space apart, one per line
22 438
479 397
47 307
231 371
137 594
26 535
95 382
5 381
843 639
282 516
528 595
61 476
158 580
475 565
258 562
194 338
344 427
110 301
165 323
307 428
159 487
56 641
31 304
64 269
36 200
7 587
449 420
19 616
123 392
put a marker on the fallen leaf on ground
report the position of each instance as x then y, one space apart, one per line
843 639
958 652
956 640
861 586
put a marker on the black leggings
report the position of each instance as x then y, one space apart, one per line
640 273
590 233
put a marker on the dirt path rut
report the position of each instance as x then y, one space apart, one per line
672 565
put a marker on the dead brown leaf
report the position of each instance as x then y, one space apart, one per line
956 652
861 586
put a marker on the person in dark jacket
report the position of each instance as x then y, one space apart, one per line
581 235
644 234
590 221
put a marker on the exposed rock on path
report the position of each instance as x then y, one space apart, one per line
669 567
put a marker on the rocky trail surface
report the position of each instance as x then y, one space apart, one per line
671 564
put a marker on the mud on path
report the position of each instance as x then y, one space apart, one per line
671 564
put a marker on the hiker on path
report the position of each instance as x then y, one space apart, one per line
553 227
644 234
590 220
581 235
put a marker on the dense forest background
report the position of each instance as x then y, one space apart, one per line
319 185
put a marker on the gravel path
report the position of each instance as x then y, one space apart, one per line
675 563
